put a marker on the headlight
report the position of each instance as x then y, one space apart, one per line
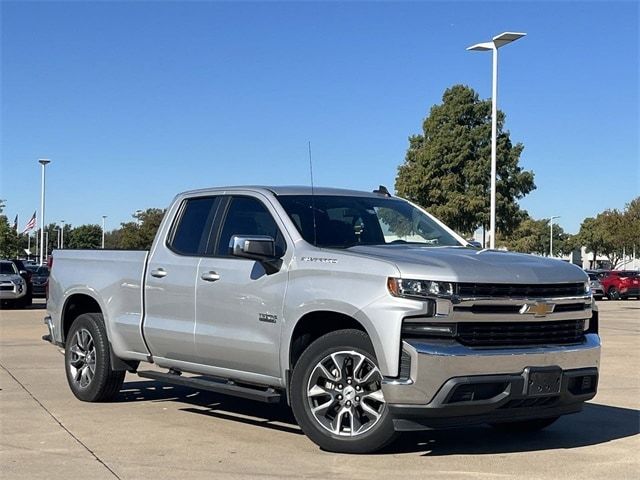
587 288
402 287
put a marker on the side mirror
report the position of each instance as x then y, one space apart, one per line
23 273
255 247
474 243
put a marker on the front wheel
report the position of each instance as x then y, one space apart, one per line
336 394
88 362
613 294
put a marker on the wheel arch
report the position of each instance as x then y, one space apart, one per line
80 303
75 305
315 324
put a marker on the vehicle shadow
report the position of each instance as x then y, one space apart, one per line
596 424
10 308
272 416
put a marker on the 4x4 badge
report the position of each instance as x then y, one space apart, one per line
538 309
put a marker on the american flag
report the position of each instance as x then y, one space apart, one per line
31 224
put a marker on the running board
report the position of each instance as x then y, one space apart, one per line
214 385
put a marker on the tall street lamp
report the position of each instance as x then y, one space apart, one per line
62 237
497 42
103 217
551 234
43 162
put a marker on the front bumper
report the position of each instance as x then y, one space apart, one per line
16 292
427 398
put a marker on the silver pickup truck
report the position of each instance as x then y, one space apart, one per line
362 311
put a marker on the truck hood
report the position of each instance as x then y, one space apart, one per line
463 264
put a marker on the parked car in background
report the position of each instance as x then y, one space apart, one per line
13 287
39 279
26 274
596 286
620 284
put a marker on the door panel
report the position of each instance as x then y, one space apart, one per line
229 331
170 305
170 281
239 306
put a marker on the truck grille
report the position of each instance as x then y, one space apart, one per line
489 334
6 287
501 290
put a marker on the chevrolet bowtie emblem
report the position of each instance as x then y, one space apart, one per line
538 309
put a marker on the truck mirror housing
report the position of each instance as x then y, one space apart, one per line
256 247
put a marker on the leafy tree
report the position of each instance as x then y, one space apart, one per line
447 168
631 226
532 236
9 245
137 235
84 236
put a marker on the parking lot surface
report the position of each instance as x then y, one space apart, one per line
156 431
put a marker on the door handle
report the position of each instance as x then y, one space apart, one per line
159 272
210 276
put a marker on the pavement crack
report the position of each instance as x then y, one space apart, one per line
98 459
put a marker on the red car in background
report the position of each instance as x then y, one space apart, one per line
619 284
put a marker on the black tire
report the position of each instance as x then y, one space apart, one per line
613 293
105 383
525 426
380 433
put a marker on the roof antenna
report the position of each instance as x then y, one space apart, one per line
313 200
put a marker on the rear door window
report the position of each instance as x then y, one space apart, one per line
191 233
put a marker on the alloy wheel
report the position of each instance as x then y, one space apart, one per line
344 393
82 361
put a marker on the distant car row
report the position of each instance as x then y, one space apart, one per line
614 284
20 281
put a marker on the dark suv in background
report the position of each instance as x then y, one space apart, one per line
39 279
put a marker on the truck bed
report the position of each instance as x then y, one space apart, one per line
116 278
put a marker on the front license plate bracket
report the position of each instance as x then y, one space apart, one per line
542 381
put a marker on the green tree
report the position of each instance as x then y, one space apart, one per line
9 243
532 236
447 168
84 236
136 235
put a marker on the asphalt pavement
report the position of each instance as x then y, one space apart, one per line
154 431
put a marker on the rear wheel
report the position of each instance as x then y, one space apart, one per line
336 394
525 425
613 293
88 361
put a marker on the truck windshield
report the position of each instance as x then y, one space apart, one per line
346 221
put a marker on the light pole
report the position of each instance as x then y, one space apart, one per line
58 229
551 234
62 236
497 42
43 162
103 217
